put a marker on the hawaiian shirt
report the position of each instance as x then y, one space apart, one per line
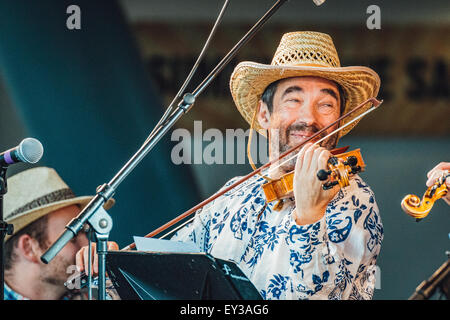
333 258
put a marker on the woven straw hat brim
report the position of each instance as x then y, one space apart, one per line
25 218
249 80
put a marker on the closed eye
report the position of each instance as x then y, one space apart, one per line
327 108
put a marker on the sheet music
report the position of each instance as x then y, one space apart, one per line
162 245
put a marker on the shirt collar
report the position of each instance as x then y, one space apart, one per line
10 294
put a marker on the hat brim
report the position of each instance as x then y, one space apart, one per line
250 79
27 217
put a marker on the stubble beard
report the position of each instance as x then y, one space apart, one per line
282 144
55 273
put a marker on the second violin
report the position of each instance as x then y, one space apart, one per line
420 208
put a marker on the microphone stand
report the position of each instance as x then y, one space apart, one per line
93 213
5 229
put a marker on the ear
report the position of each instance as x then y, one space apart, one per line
263 115
29 248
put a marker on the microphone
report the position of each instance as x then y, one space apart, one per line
318 2
30 150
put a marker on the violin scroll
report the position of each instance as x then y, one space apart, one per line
420 208
340 167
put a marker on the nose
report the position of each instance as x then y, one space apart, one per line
306 114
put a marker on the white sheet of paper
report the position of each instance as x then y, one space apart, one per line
161 245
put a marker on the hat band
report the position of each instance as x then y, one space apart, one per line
311 65
55 196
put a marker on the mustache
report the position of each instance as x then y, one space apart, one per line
303 127
300 127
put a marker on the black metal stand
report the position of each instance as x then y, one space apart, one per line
5 229
106 191
439 280
101 223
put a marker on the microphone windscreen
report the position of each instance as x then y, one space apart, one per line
30 150
318 2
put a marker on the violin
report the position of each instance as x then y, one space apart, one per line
420 208
340 167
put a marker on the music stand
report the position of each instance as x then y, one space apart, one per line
177 276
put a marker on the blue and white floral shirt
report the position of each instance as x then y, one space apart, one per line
333 258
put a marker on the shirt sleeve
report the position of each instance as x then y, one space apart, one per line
334 258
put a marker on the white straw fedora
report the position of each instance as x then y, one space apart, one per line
299 54
35 192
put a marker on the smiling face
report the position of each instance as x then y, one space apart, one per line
301 106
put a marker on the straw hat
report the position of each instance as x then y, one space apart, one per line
301 54
35 192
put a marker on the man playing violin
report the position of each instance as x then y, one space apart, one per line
318 244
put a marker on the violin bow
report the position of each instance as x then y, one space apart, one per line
375 104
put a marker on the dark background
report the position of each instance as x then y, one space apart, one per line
91 96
